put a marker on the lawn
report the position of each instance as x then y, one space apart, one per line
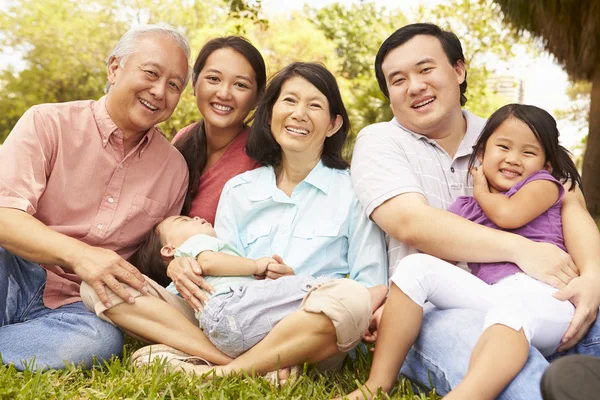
116 379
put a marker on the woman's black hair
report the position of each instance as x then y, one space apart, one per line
543 126
193 145
262 147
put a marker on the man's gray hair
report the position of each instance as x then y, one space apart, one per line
127 45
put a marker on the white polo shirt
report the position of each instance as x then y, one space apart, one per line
390 160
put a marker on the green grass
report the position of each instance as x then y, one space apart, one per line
117 379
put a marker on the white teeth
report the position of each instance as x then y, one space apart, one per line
423 103
150 106
296 130
507 172
222 107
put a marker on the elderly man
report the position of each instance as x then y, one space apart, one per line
407 171
81 184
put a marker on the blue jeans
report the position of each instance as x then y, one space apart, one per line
440 357
33 335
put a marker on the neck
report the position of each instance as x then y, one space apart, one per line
130 138
218 139
451 133
292 171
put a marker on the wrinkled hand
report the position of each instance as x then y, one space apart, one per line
101 268
370 335
278 269
547 263
186 274
262 263
584 293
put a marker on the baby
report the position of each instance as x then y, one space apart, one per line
242 310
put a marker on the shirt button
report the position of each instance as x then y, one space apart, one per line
121 166
111 200
452 169
104 142
99 226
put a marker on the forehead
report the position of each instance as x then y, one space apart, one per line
229 61
516 130
161 51
413 51
301 87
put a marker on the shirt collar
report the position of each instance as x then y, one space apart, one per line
475 125
319 177
107 127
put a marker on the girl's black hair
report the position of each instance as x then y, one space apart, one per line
193 145
262 147
543 126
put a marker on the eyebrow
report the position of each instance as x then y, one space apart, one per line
244 77
527 145
425 60
294 93
155 65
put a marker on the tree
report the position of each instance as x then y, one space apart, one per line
571 32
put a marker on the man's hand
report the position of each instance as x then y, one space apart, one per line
370 336
584 293
101 268
279 269
186 274
547 263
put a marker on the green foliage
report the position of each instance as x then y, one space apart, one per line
65 43
117 379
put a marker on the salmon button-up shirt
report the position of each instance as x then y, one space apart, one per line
65 164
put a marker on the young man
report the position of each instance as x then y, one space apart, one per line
407 171
81 184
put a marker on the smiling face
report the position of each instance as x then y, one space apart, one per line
225 89
146 87
512 153
424 88
301 120
175 230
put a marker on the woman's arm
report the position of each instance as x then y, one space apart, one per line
530 201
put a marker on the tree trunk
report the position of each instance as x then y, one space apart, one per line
591 161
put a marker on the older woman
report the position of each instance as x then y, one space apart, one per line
301 206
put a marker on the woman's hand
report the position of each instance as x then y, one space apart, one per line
186 274
279 269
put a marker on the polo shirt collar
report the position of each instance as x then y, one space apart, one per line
475 125
107 127
266 186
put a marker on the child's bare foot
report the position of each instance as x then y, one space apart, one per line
365 392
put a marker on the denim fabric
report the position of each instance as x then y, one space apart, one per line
33 335
441 355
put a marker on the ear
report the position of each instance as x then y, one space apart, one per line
480 156
335 126
548 167
461 71
167 251
112 70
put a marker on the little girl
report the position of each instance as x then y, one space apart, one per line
517 187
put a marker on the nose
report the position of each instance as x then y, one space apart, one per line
512 158
158 89
299 112
416 85
224 92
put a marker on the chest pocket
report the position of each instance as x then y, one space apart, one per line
256 235
320 242
144 213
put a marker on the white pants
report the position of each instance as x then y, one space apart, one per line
517 301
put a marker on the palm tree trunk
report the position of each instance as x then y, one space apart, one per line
591 161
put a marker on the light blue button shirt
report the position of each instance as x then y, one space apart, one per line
320 230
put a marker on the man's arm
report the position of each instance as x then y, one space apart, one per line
409 219
582 240
26 237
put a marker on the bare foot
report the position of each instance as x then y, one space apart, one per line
193 369
362 393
